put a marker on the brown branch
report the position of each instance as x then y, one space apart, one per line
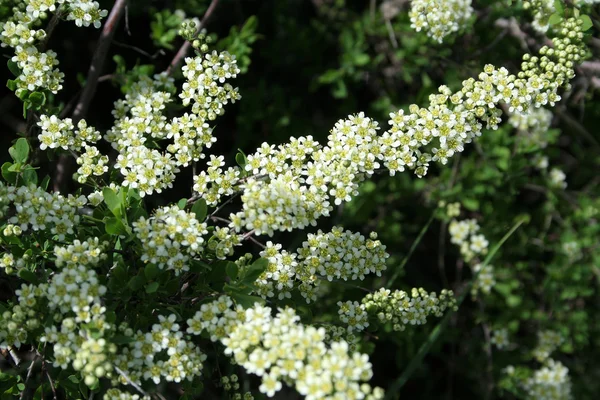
183 50
29 371
47 373
87 94
50 28
108 32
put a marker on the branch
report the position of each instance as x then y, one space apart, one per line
183 50
108 32
129 381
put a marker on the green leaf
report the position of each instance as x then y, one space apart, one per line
232 270
151 271
122 339
28 276
152 287
20 151
11 84
587 22
13 68
45 182
10 176
361 59
558 6
555 19
37 99
200 209
112 201
241 160
30 176
254 270
182 203
245 300
136 283
114 226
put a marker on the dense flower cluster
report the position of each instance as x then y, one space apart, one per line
73 298
401 308
293 185
39 210
37 68
162 354
222 183
281 350
140 119
57 133
439 18
61 133
550 382
170 238
337 254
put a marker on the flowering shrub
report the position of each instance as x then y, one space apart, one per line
117 289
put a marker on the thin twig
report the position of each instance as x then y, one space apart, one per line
183 50
50 28
29 371
138 50
45 369
129 381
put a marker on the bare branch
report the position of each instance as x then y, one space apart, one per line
108 32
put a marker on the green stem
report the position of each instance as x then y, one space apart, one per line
411 251
425 347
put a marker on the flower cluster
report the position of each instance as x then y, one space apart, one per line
162 354
439 18
543 9
337 254
231 384
533 126
60 133
85 12
282 350
140 120
557 178
550 382
500 338
465 234
548 341
472 244
353 315
296 183
222 183
401 309
73 299
116 394
37 68
39 210
170 238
